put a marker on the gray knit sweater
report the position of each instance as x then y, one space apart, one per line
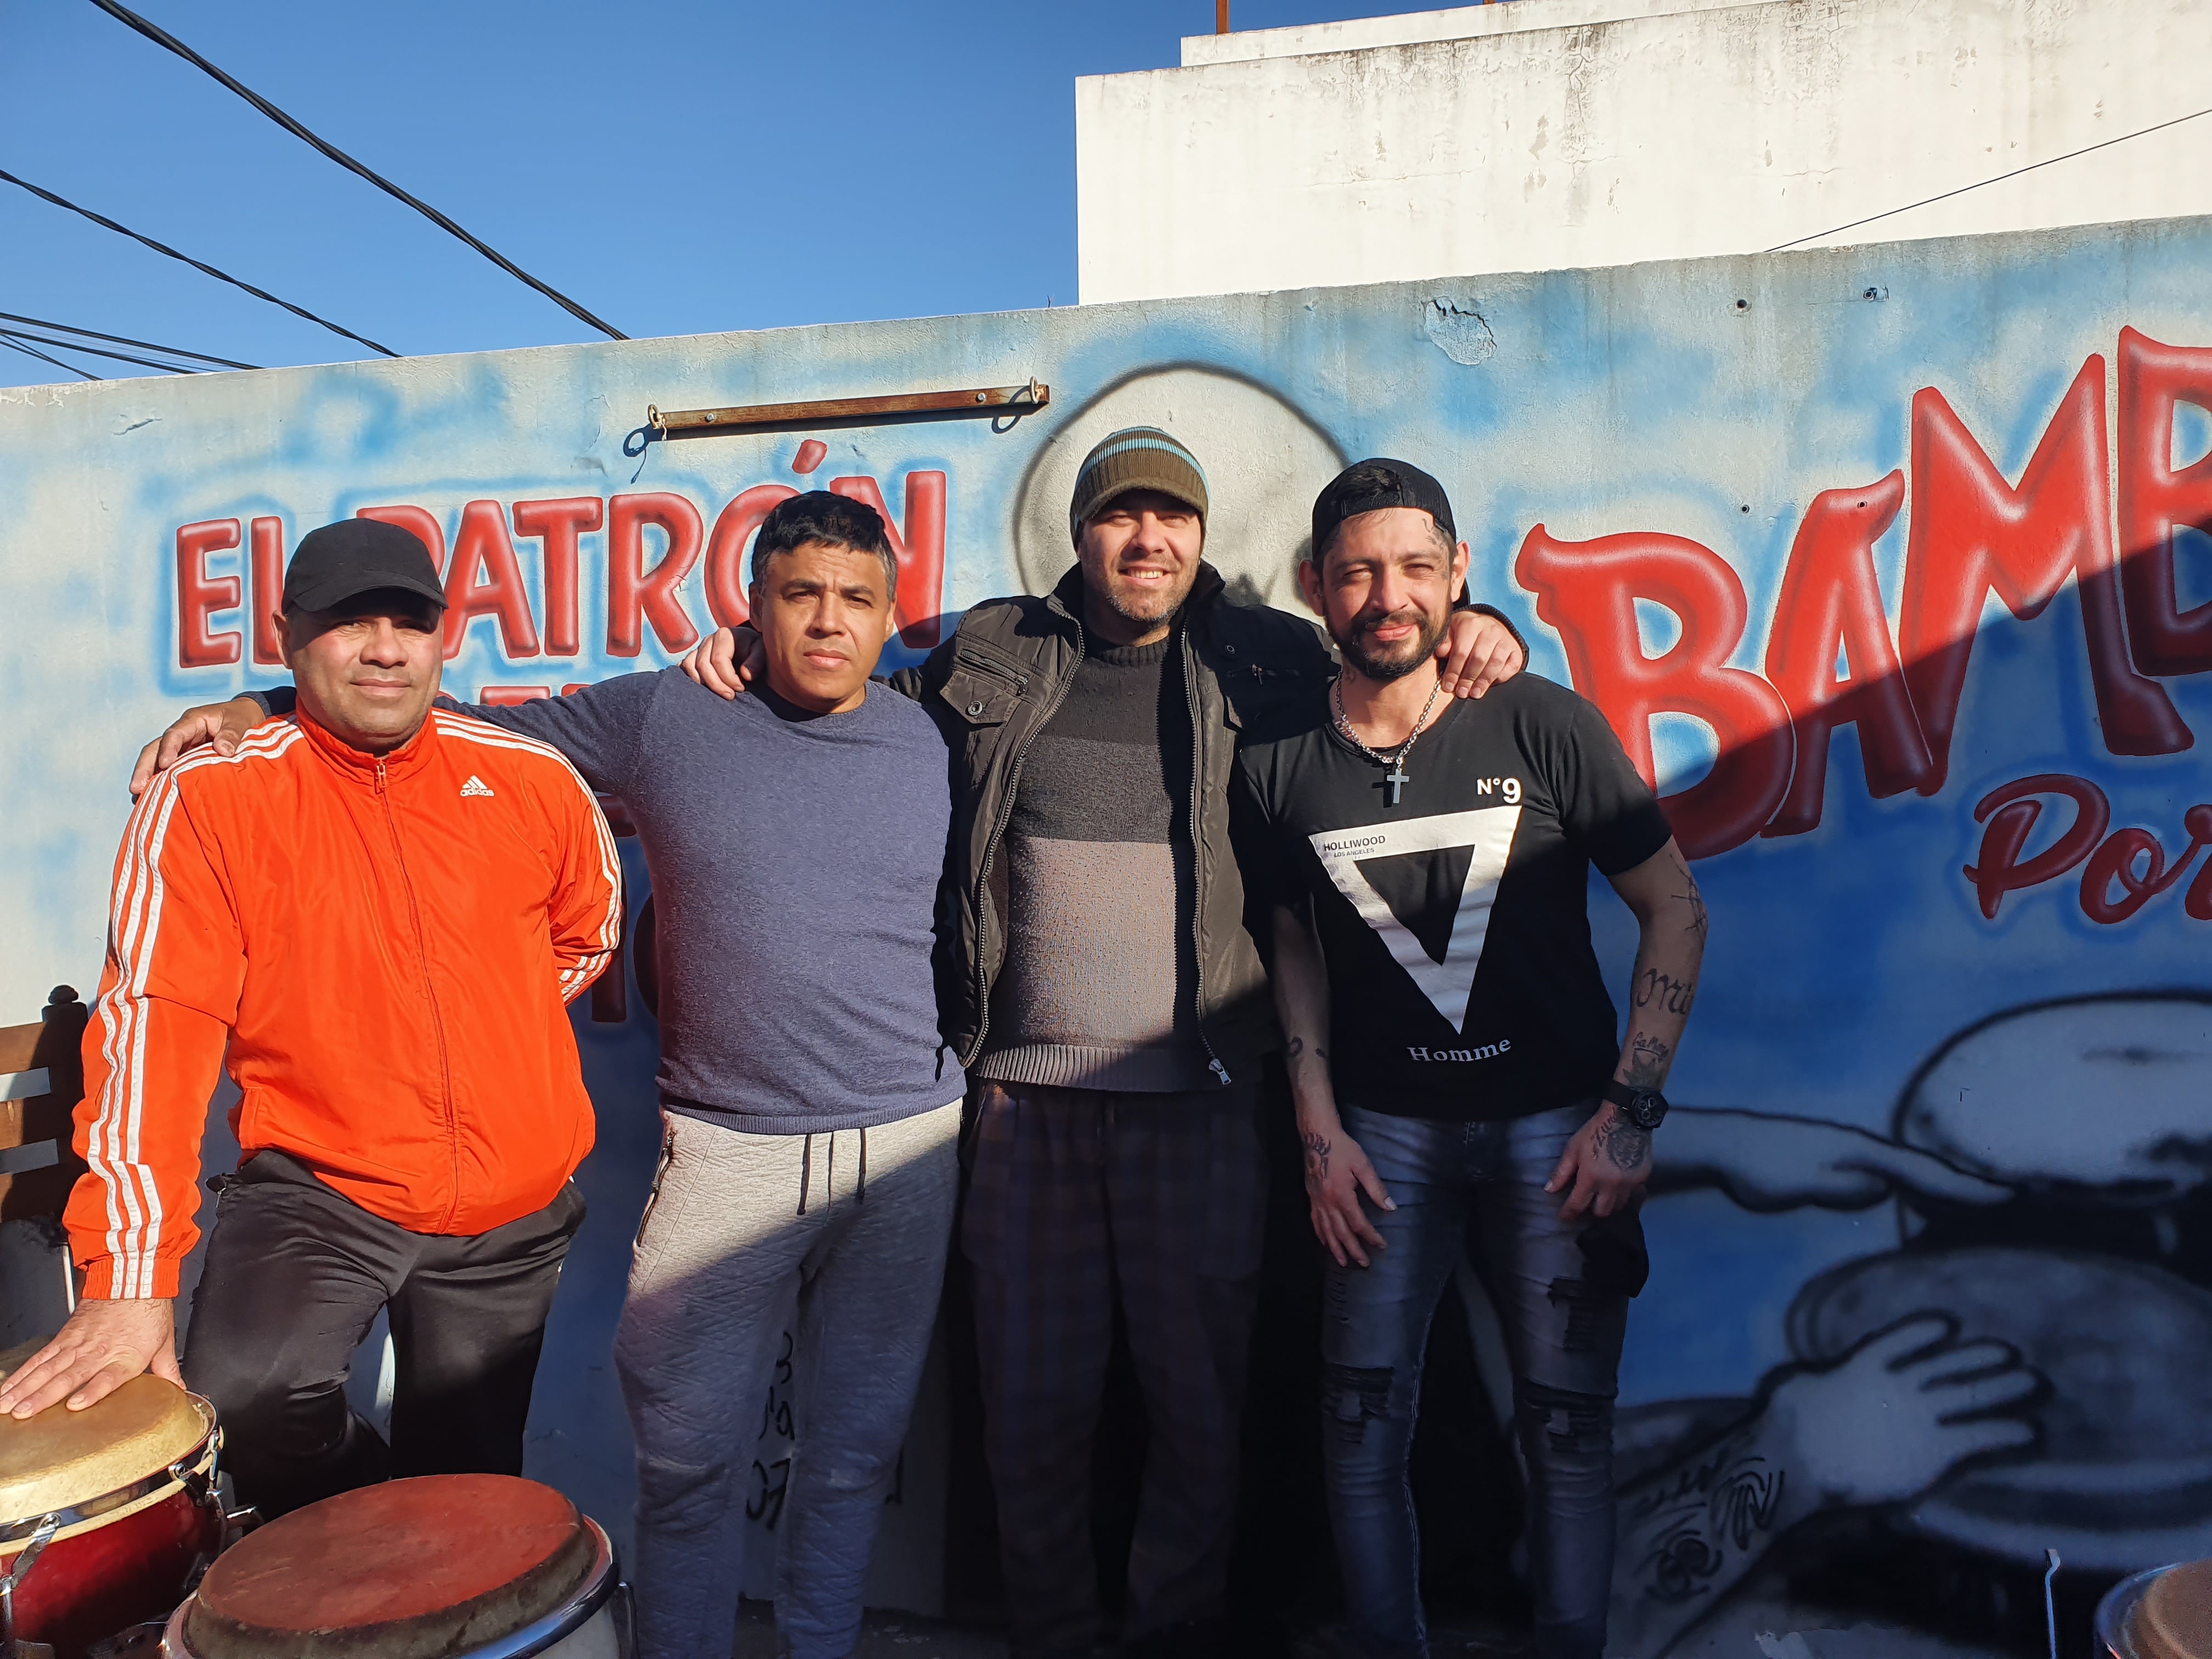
1097 991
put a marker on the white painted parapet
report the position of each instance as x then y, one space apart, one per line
1559 134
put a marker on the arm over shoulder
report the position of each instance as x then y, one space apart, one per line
1299 638
917 683
600 728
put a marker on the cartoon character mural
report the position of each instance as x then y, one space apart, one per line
2023 1371
1891 567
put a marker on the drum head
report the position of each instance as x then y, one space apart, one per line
2122 1476
61 1460
2173 1621
416 1569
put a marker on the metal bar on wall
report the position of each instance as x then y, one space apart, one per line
837 411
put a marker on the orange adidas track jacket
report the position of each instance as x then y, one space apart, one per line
385 945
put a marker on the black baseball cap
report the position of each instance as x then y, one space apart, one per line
1369 486
358 556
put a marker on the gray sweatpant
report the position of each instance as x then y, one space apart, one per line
745 1234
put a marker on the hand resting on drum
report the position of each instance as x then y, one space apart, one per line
104 1345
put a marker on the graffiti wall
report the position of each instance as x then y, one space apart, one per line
1888 564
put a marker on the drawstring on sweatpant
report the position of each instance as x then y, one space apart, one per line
807 1170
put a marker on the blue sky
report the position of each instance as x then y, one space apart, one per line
677 168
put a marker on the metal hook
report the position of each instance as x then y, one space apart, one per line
43 1536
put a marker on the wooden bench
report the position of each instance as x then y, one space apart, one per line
41 1078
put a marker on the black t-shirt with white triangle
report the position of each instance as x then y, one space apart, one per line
1455 924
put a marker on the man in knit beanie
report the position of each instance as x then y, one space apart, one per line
1095 978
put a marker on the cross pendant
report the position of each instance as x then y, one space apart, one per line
1394 780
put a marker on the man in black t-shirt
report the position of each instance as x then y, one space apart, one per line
1456 1062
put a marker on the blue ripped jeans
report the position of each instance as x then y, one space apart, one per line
1563 1304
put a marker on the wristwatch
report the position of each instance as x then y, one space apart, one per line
1645 1108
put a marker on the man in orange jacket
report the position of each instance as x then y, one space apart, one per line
381 912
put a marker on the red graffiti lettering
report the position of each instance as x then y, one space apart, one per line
199 595
1587 591
1830 599
559 523
502 697
2115 861
2131 857
726 551
635 595
2011 813
2155 500
2198 901
267 539
918 552
481 544
1973 534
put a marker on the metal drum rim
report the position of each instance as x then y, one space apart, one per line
2127 1593
597 1588
90 1514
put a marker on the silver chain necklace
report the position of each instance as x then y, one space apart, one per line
1395 780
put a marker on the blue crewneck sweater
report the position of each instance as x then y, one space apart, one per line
795 862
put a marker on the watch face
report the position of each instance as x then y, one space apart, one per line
1646 1108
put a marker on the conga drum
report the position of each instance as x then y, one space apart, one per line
2164 1613
443 1566
107 1513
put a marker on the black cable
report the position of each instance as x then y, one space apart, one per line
82 374
196 264
161 37
1892 213
120 356
125 339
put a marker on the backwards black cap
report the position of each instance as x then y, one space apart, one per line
358 556
1371 485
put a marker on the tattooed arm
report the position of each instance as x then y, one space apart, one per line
1337 1171
1694 1530
1880 1426
1606 1164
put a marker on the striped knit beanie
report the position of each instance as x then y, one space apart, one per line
1135 458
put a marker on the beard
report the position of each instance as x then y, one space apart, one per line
1147 605
1391 662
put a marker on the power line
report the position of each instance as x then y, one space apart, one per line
196 264
83 375
125 339
119 357
161 37
1892 213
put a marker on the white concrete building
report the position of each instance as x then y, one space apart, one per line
1552 134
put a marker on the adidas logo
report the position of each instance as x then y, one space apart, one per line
475 785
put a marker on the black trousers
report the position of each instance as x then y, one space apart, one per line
296 1274
1081 1201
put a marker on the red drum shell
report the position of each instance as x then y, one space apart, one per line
99 1582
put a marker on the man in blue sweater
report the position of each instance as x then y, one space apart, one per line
795 839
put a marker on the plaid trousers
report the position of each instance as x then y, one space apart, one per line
1079 1200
